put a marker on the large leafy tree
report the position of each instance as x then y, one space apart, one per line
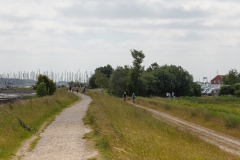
101 80
119 81
152 67
107 70
92 81
169 79
137 70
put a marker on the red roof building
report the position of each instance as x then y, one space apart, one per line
217 79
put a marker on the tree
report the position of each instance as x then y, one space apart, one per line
195 90
152 67
137 71
231 78
101 80
92 81
107 70
41 89
119 81
171 78
50 85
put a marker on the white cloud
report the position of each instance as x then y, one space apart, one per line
56 35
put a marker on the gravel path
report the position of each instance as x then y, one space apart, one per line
62 139
226 143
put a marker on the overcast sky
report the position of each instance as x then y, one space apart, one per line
202 36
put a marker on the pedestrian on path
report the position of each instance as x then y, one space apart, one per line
133 97
124 96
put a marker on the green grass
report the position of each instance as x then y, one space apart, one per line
218 113
122 131
19 121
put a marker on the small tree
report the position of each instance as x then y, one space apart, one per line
136 72
231 78
118 81
50 85
41 89
101 80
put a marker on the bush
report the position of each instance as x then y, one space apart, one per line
237 93
50 85
41 89
226 90
236 86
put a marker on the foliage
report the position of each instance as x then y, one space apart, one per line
41 89
226 90
195 90
101 80
232 77
107 70
171 78
152 67
92 81
137 70
237 93
155 81
50 85
118 81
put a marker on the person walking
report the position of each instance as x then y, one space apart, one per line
124 96
77 89
133 97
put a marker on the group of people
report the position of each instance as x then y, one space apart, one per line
71 89
168 95
125 97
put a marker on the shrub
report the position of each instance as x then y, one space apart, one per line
226 90
236 86
50 85
41 89
237 93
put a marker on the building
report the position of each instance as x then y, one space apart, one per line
217 80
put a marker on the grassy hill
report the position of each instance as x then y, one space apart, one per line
122 131
21 120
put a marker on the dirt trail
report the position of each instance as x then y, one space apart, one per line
62 139
224 142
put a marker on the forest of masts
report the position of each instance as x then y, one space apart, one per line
29 78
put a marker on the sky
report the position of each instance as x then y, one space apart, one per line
201 36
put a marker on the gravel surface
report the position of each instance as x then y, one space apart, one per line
62 139
224 142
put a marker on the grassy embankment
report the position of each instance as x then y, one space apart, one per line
19 121
221 114
122 131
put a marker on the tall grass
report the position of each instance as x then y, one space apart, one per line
18 121
217 113
122 131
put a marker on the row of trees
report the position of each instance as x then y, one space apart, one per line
155 80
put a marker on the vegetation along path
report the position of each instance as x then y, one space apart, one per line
224 142
62 139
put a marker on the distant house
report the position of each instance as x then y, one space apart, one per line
217 79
